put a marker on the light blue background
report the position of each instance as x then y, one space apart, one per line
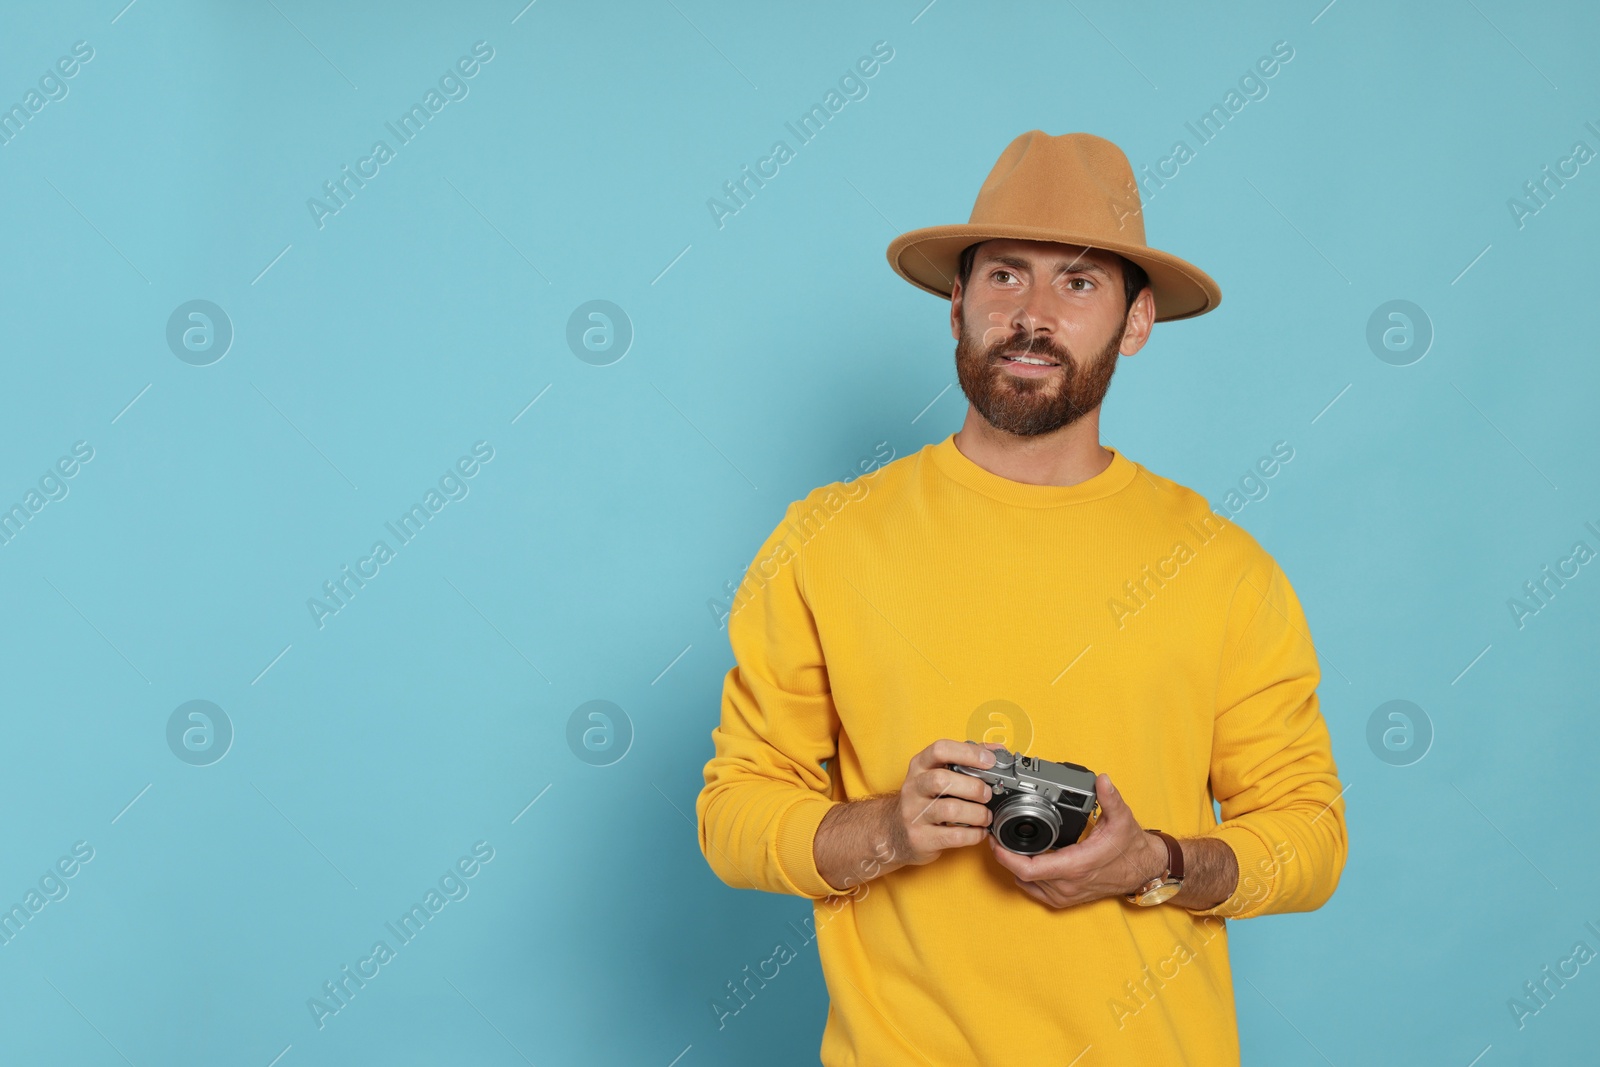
775 353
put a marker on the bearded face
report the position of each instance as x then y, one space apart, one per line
1031 385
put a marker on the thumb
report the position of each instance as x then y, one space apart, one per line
1110 799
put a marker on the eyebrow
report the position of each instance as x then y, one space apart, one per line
1076 265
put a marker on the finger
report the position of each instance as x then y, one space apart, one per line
942 781
948 811
966 753
1060 865
1021 866
933 809
1035 892
944 837
1110 800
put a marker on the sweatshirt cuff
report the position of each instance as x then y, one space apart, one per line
1258 873
794 846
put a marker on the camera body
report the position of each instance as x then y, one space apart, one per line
1038 804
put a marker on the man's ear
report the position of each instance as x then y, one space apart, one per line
955 309
1141 318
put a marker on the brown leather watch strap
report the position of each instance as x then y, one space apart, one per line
1174 854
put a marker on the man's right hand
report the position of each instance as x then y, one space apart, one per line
936 809
939 808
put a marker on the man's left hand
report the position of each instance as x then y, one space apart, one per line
1115 859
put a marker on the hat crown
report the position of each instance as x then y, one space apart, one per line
1074 183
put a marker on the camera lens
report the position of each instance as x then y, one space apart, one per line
1025 824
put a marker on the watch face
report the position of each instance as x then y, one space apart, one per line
1160 894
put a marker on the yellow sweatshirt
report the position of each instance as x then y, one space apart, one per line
1125 627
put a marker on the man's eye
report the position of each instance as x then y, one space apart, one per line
997 274
1085 281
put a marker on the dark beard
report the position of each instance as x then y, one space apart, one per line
1028 407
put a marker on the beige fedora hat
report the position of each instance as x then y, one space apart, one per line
1075 189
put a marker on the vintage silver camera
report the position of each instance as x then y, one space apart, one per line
1038 805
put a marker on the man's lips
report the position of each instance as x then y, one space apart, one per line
1017 366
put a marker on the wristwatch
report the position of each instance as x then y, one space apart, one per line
1165 886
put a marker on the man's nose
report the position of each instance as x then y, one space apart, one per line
1033 313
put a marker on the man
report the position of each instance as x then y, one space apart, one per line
1019 583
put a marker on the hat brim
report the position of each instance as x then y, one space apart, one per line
927 258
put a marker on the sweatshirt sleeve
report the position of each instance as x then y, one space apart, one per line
766 790
1272 767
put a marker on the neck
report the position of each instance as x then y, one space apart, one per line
1066 456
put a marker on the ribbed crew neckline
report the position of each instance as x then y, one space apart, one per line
950 459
